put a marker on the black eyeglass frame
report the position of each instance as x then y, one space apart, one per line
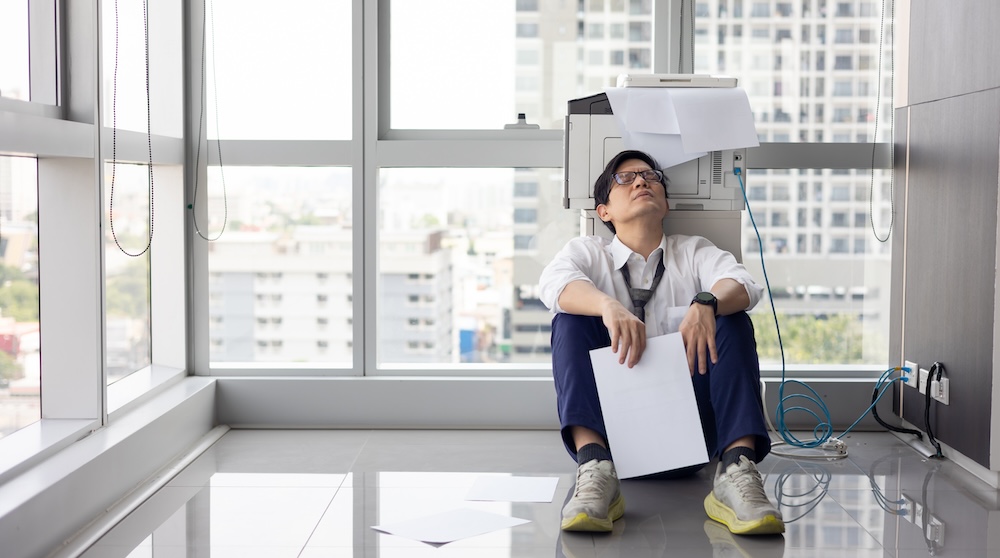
649 175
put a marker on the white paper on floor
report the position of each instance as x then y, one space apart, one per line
513 489
450 526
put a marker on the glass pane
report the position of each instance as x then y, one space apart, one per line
279 73
123 35
126 268
813 77
498 59
280 273
20 359
829 273
14 46
791 60
460 252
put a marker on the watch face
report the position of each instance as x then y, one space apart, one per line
707 298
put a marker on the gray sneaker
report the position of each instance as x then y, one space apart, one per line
597 500
739 502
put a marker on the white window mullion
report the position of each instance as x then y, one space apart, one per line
71 251
42 49
371 77
195 139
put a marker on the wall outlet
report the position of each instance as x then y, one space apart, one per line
909 508
922 380
911 376
939 390
931 525
934 531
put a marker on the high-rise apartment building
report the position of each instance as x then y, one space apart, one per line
288 297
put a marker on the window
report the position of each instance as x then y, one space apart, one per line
843 88
492 53
126 269
525 215
525 189
14 79
281 252
640 7
639 58
471 242
760 9
20 356
258 47
844 36
822 231
641 31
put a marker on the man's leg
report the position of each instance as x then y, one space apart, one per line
729 400
597 500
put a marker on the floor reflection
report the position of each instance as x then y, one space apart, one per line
290 494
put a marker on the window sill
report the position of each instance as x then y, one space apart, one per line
139 386
36 442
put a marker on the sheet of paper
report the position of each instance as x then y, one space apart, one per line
667 149
450 526
644 109
513 489
650 412
712 119
680 124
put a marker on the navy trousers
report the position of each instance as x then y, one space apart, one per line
728 395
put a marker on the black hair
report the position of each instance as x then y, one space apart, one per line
606 181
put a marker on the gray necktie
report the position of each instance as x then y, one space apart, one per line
641 296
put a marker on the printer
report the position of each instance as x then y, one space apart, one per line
703 193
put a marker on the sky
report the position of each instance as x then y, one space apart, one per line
13 46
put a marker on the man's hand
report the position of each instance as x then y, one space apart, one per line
698 332
628 333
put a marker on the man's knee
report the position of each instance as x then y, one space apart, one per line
734 325
574 327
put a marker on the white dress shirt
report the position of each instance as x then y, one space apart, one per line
692 264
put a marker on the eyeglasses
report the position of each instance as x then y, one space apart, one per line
625 178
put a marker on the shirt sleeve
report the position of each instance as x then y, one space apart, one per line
575 262
714 264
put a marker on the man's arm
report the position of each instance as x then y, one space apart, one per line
698 327
627 332
732 296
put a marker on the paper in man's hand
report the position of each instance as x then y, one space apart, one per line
650 411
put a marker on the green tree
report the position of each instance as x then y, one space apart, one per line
128 292
808 339
428 221
19 300
10 369
10 273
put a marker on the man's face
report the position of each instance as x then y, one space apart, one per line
639 199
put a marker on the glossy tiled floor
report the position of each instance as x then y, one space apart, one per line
276 493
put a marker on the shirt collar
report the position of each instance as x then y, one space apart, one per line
620 253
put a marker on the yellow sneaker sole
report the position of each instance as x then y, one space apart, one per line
583 522
767 525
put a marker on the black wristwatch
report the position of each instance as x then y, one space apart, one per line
707 299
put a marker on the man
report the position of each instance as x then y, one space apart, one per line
643 284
